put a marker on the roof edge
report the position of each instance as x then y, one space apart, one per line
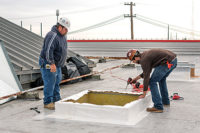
133 40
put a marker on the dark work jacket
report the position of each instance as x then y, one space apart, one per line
151 59
54 49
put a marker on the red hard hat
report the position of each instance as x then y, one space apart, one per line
131 53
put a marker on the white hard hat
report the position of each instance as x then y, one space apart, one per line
64 22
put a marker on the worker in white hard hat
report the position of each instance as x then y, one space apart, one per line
164 62
52 57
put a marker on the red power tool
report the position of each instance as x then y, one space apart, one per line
136 86
128 82
176 97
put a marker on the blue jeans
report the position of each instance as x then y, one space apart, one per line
51 82
159 75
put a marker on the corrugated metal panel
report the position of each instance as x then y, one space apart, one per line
23 48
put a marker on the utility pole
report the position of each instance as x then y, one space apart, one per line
57 14
21 24
131 4
41 29
168 32
31 28
193 19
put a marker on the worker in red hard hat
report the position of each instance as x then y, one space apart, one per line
164 62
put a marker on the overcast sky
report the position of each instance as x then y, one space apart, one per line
84 13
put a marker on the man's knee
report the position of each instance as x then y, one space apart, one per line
152 84
152 81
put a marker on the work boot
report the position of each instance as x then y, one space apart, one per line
50 106
153 109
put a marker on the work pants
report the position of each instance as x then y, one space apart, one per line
51 82
159 76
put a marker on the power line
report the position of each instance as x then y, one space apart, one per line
175 26
112 20
91 9
41 16
150 22
68 12
165 25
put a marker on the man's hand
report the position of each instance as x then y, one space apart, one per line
143 95
131 81
53 68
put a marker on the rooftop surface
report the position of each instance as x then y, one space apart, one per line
181 116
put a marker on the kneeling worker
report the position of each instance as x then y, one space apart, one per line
164 62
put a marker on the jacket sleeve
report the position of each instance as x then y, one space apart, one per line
51 45
146 75
142 75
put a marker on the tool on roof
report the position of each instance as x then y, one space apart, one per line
175 96
35 109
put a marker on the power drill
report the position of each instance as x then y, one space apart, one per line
128 82
137 85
